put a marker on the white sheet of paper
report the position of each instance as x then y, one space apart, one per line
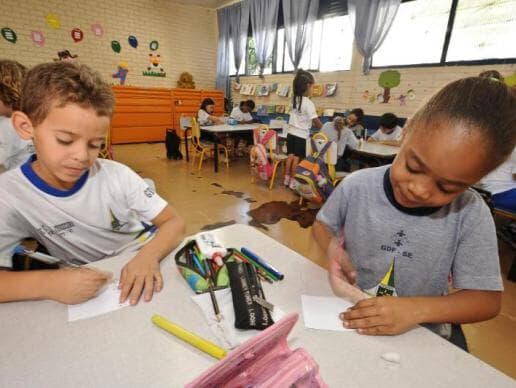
322 312
105 302
227 335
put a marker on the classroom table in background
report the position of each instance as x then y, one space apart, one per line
379 153
125 349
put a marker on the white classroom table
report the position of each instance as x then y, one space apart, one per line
377 150
124 349
226 128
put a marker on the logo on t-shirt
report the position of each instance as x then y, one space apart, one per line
398 240
149 192
116 225
59 229
386 286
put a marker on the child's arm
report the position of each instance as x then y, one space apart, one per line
142 274
70 286
215 119
316 123
394 315
341 273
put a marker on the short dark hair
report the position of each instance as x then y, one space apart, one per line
250 104
206 102
359 113
478 104
494 74
388 120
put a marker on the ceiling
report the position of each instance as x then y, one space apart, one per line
204 3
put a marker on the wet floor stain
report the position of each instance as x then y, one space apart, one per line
272 212
217 185
258 225
237 194
194 191
218 225
250 200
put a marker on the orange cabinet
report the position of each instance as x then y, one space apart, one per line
144 114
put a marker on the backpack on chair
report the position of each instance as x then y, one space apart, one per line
313 177
260 163
172 142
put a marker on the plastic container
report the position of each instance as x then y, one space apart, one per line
211 248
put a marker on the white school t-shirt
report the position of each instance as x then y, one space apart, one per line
109 207
501 179
347 137
238 115
300 120
203 117
394 135
14 151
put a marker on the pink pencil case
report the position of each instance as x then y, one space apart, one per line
264 361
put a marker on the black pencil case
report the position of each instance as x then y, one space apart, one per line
248 297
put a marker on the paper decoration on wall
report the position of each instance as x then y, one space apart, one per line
388 79
154 68
133 42
53 21
283 90
365 95
372 99
121 73
262 110
77 35
263 90
186 81
9 35
236 86
380 98
274 87
154 45
271 109
65 55
330 89
511 80
280 109
38 38
411 94
97 30
402 99
115 46
317 90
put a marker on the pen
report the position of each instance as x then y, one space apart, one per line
191 338
262 263
212 292
198 264
20 250
269 276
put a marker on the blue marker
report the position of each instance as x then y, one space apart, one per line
262 263
198 264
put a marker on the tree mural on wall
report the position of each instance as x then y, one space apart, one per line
388 79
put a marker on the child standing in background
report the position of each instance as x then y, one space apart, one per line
205 115
344 137
389 132
437 226
13 149
303 117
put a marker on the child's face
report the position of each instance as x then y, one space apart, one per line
210 109
351 120
67 143
245 109
386 130
435 166
5 110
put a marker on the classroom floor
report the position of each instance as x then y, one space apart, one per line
208 200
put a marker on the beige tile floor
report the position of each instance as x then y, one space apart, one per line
201 203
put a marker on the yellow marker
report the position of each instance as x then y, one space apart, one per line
194 340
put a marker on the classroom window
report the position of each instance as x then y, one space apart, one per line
232 69
417 34
483 29
252 61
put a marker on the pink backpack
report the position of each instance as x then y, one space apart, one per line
260 164
264 361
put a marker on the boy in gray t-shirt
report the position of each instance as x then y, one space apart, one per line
405 230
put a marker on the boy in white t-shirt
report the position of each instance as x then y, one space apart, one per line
242 113
82 209
13 149
389 132
303 117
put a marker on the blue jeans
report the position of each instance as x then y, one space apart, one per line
505 201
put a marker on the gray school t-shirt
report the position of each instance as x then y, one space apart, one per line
396 253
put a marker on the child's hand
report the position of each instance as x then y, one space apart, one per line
385 315
78 285
141 274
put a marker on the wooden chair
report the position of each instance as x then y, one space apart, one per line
275 157
202 148
106 150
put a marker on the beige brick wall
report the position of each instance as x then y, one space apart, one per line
351 86
187 36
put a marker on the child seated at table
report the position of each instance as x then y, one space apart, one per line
205 115
81 208
242 113
389 133
501 183
436 226
337 131
354 122
13 149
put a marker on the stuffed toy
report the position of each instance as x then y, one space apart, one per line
186 81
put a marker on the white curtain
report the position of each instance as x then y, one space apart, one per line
264 20
299 17
372 20
239 25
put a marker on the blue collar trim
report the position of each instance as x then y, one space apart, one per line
33 178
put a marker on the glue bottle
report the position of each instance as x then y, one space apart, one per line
211 248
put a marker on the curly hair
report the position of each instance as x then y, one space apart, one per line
12 74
